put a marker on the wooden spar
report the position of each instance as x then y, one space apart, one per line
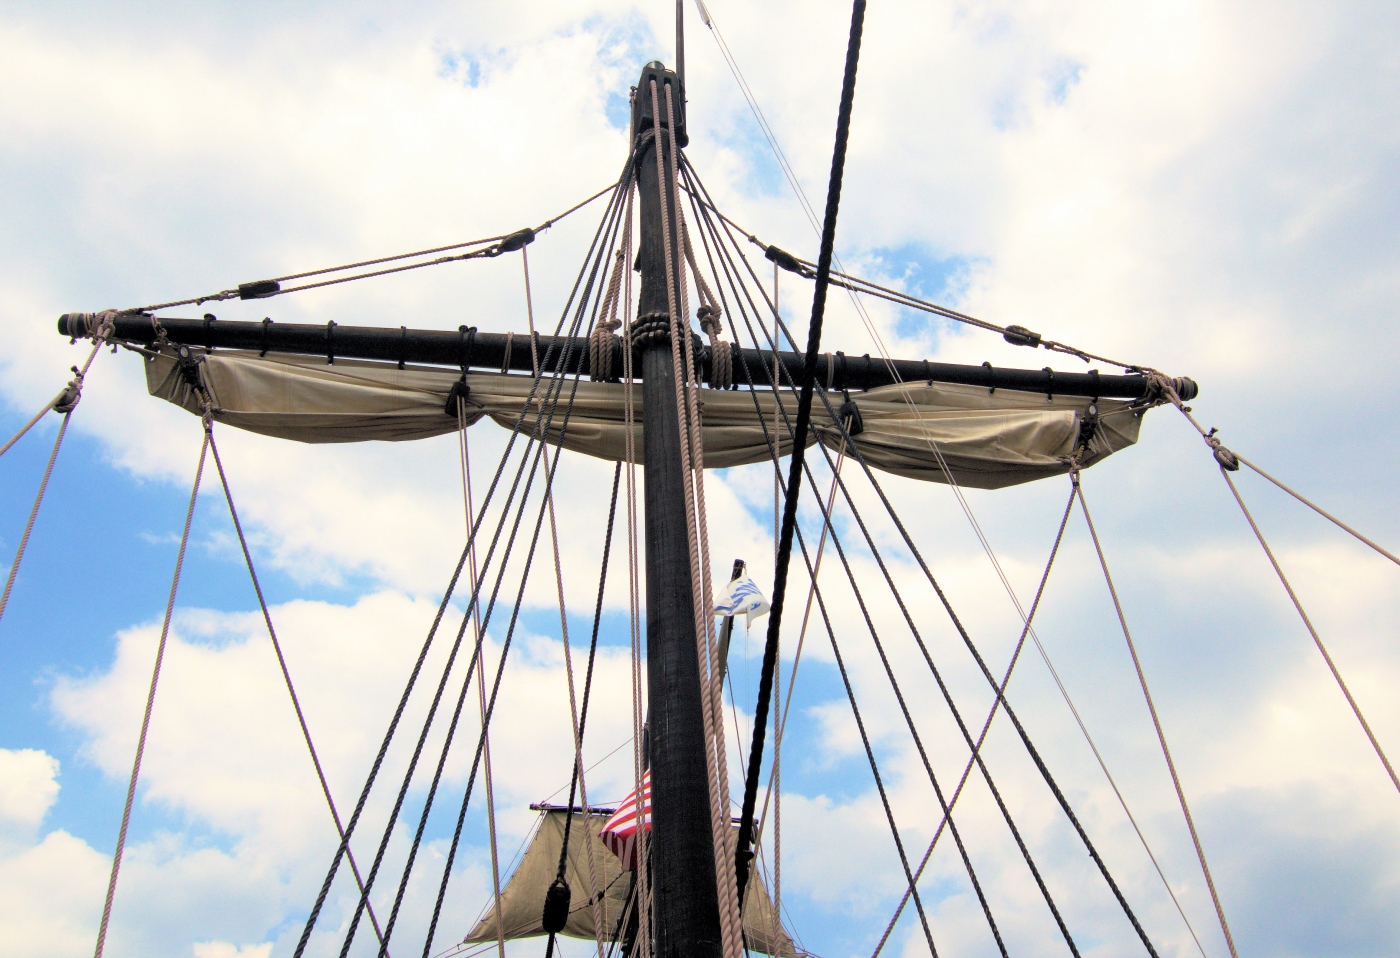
497 351
685 905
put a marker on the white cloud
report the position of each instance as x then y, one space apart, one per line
1205 187
28 786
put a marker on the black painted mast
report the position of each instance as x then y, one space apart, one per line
685 905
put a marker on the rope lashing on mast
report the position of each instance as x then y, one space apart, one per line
804 414
1228 463
710 317
1156 720
150 706
319 904
692 466
600 341
282 664
99 327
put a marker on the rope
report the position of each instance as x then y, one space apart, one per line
576 779
1156 722
1314 507
804 413
1045 772
282 663
480 683
65 402
1229 462
314 916
265 289
1332 667
642 942
576 726
986 726
33 514
150 704
730 928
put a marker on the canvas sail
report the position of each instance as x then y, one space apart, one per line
987 439
522 899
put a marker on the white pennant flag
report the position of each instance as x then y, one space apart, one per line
742 596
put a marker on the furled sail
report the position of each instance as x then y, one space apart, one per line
522 899
986 439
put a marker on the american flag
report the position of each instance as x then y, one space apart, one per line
620 831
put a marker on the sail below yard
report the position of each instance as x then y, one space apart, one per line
522 899
987 438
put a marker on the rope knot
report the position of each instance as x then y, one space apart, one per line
1227 459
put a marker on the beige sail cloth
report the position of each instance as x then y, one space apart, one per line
987 439
522 900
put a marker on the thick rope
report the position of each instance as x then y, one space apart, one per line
495 248
804 413
576 726
730 930
642 944
150 704
705 601
1315 508
1229 462
286 673
33 514
480 683
1156 723
65 402
1332 666
432 632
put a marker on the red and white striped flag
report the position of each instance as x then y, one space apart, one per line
620 831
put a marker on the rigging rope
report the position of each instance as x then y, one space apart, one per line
1156 722
480 683
267 288
708 203
1318 509
150 704
65 402
319 904
804 413
717 773
282 663
1229 462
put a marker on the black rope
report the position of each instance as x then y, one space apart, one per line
1034 754
804 413
772 442
592 656
625 186
538 435
417 668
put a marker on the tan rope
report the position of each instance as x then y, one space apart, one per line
480 667
642 947
1225 459
706 648
594 899
150 704
1332 666
65 402
1157 723
33 514
287 677
1319 510
530 314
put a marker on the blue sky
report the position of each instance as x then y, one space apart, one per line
1208 189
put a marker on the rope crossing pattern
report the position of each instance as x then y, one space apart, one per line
150 705
1156 722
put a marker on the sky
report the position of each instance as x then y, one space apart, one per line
1205 187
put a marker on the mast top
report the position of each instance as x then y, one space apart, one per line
642 119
